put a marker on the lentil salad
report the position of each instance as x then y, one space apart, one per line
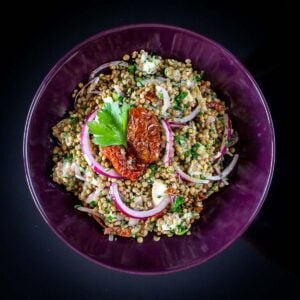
144 146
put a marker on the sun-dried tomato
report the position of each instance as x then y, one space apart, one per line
125 232
124 163
143 134
218 106
150 96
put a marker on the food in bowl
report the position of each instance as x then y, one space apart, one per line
147 142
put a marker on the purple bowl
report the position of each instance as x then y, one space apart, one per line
227 214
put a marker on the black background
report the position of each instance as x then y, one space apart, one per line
35 264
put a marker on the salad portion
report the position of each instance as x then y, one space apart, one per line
147 142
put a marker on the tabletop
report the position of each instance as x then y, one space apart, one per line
36 264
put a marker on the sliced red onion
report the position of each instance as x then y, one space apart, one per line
88 154
175 124
162 79
226 171
220 174
154 80
188 118
166 98
93 195
188 177
226 136
89 211
138 200
78 173
167 159
143 214
179 177
173 197
107 65
93 81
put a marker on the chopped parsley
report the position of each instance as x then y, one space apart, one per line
178 100
160 95
131 69
68 157
194 150
181 230
74 120
93 203
139 81
179 139
110 128
116 96
197 78
153 168
111 217
177 204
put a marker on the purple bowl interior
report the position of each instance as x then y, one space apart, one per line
226 215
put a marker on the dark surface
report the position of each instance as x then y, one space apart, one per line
36 264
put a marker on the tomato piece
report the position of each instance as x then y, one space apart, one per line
218 106
144 134
150 96
125 232
124 163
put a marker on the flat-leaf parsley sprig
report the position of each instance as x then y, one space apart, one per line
110 126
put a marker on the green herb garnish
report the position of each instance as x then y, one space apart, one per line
93 203
177 204
68 157
194 150
179 139
110 217
131 69
160 95
178 100
74 120
116 96
110 128
181 230
153 168
197 78
139 81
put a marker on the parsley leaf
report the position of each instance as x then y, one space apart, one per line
179 139
116 96
197 78
139 82
194 150
131 69
181 230
68 157
153 168
74 120
93 203
110 128
178 99
177 204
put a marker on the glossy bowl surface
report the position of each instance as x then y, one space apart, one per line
227 214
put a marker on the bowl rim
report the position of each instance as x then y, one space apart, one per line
43 85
